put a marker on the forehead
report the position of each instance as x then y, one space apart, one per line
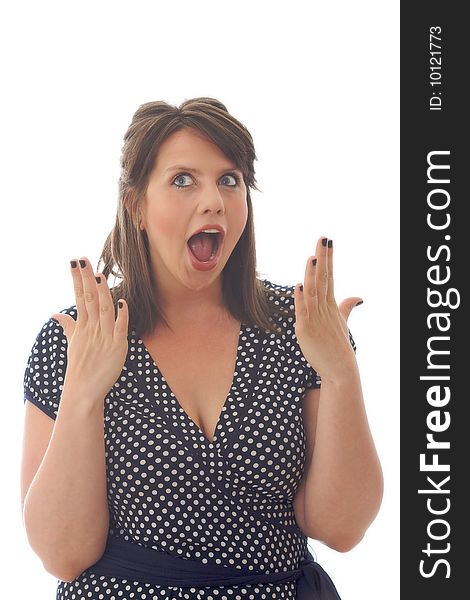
188 146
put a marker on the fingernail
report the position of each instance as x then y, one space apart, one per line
120 304
301 288
360 302
82 263
98 279
324 241
330 243
314 261
73 264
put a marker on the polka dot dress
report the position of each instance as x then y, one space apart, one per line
227 501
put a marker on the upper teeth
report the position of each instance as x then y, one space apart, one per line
210 231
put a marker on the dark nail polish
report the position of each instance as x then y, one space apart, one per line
82 263
98 279
330 243
120 304
324 241
360 302
73 264
314 261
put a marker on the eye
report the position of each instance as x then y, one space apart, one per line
233 176
180 177
231 180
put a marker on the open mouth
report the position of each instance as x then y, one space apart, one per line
204 246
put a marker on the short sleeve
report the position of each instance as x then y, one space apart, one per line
351 339
46 366
313 378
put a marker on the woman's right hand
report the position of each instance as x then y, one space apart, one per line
97 342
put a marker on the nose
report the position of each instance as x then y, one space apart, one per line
211 199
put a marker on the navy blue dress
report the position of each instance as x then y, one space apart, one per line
228 502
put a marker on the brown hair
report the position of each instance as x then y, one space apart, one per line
127 247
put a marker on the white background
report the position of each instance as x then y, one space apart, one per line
316 83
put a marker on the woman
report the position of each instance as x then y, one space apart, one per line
231 407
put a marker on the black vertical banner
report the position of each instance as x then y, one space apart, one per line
435 322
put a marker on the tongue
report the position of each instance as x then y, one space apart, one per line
202 245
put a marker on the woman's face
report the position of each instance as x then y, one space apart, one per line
192 184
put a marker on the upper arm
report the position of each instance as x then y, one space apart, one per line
309 415
43 380
37 432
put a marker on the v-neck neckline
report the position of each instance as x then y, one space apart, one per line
176 402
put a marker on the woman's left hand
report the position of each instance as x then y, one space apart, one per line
321 325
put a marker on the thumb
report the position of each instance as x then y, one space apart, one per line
66 322
347 305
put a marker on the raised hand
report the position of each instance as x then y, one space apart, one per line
321 325
97 341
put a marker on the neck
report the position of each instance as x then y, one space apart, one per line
197 300
182 304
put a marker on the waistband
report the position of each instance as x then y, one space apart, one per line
127 560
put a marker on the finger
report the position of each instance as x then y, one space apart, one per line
310 284
300 304
106 305
82 314
330 293
347 305
321 274
66 322
90 292
122 321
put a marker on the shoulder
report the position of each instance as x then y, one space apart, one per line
50 345
283 293
46 365
52 336
281 299
279 294
282 296
71 310
51 332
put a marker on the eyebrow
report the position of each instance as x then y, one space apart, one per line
197 171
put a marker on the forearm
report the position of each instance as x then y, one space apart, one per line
65 510
343 484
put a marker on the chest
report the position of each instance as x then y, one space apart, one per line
198 366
